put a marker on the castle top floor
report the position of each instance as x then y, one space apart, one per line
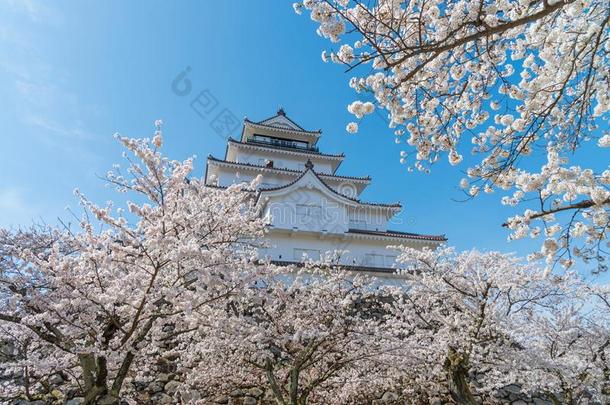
280 131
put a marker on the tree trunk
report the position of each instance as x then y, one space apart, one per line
99 396
457 370
279 397
95 375
294 387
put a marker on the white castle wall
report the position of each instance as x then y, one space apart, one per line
227 176
282 161
368 218
361 252
323 215
308 210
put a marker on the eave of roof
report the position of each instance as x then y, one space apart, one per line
302 131
398 234
286 149
386 270
395 206
258 193
281 113
366 179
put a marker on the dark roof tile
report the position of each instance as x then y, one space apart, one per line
286 148
210 157
399 234
386 270
318 132
332 190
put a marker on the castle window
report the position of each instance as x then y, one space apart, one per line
303 254
267 185
357 223
390 260
373 260
308 211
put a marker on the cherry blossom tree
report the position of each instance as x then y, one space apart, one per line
568 347
90 306
90 312
453 328
312 335
482 321
514 77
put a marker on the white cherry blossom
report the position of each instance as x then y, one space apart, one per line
513 77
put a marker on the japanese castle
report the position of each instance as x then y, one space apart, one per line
311 209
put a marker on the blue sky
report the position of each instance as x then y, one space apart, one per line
74 73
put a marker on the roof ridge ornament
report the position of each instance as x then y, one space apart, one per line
309 165
281 111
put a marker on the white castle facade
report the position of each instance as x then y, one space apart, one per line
311 209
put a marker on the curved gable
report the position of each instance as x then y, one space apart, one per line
309 179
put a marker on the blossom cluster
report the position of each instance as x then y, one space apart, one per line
174 282
512 77
80 303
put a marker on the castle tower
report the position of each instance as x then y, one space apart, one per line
311 209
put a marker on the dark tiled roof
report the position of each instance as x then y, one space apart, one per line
292 182
210 157
282 113
318 132
386 270
226 187
286 148
395 205
398 234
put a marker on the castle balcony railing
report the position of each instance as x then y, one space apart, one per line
282 143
